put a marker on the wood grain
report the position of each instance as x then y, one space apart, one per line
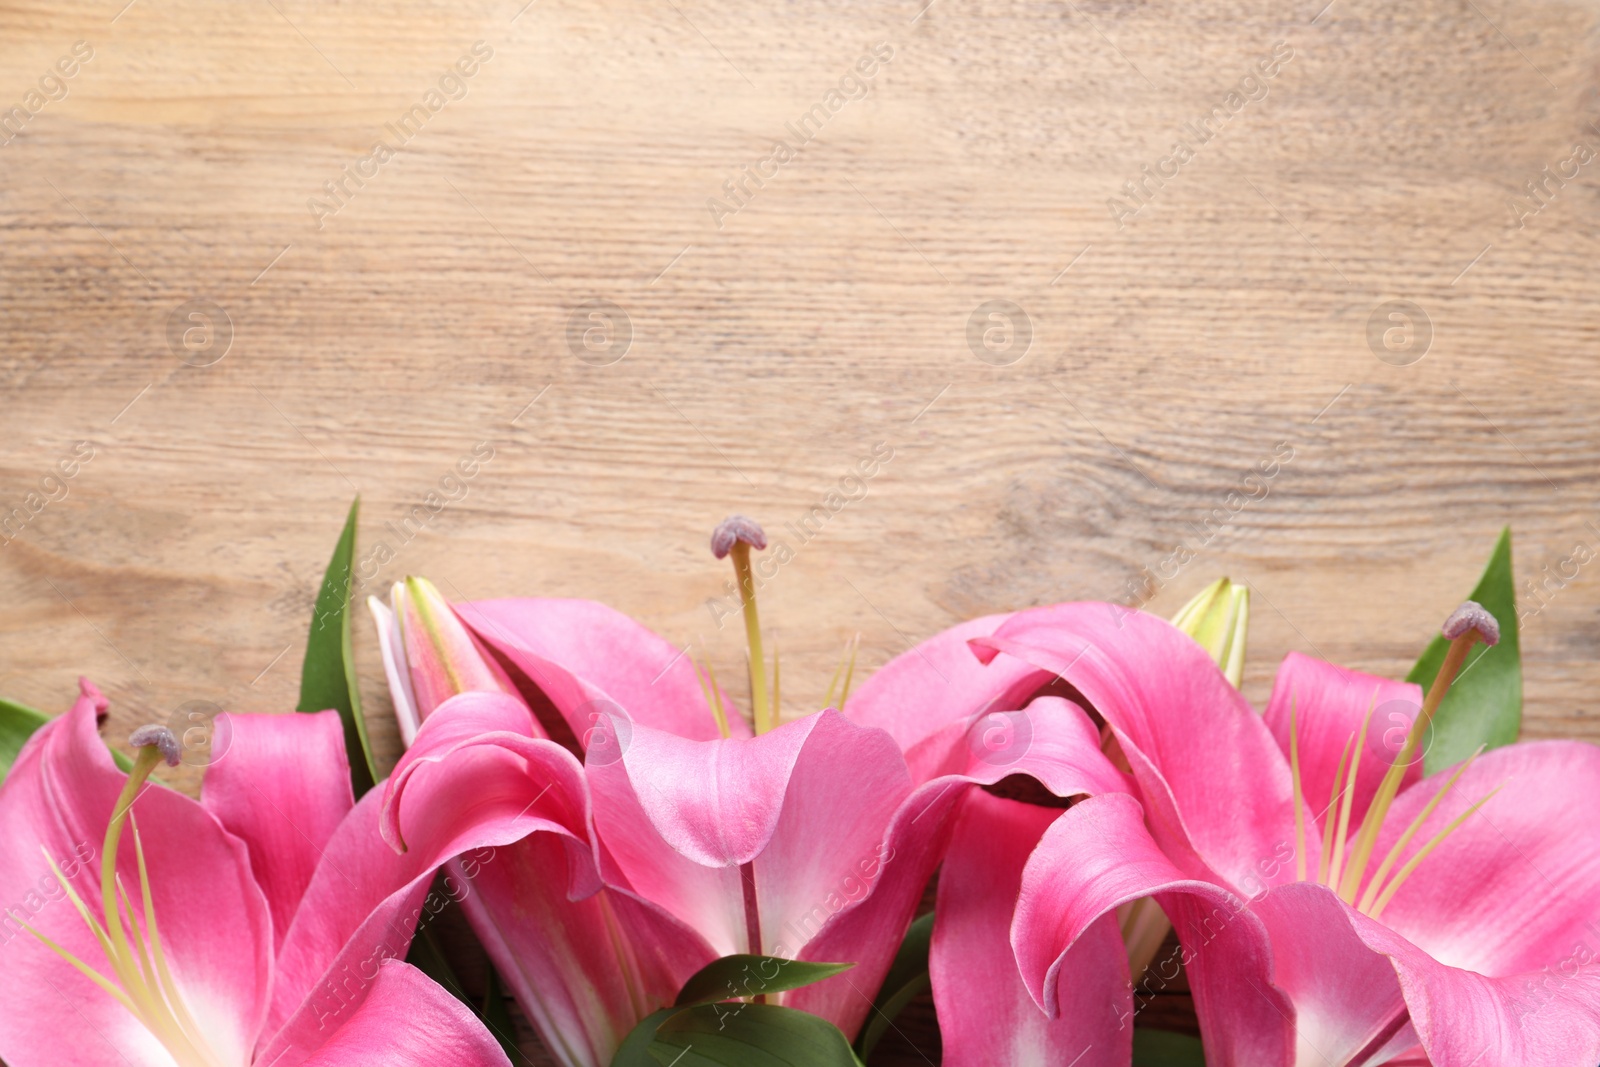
769 354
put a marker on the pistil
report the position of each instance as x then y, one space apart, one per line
1467 625
735 536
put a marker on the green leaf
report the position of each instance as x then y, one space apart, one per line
496 1014
635 1048
743 975
328 679
906 980
1484 705
1163 1048
427 956
17 724
750 1035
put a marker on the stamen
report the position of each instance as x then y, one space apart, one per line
1352 875
735 536
1422 853
1411 831
850 671
1327 814
833 683
1299 793
713 694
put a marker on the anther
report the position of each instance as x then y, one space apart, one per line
734 529
162 738
1472 616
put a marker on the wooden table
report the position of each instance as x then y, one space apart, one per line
980 250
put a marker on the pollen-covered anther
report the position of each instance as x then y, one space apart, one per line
162 738
1472 616
734 529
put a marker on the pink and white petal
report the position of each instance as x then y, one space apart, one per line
841 793
1098 855
281 784
670 805
1515 888
1550 1017
406 1020
365 900
864 920
214 923
560 956
441 655
586 656
633 856
1330 705
986 1015
392 646
716 802
464 721
1177 720
1347 1002
939 682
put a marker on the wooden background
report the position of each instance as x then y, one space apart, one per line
371 350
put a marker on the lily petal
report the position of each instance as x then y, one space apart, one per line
589 658
1099 855
281 784
939 682
408 1021
585 962
441 655
986 1015
1550 1017
767 801
1531 856
392 646
1177 720
365 900
1348 1005
215 927
1330 705
1346 972
1051 740
585 970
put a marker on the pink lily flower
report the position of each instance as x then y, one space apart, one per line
1333 906
689 835
261 925
987 1014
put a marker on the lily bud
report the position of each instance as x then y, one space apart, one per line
1218 618
429 655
